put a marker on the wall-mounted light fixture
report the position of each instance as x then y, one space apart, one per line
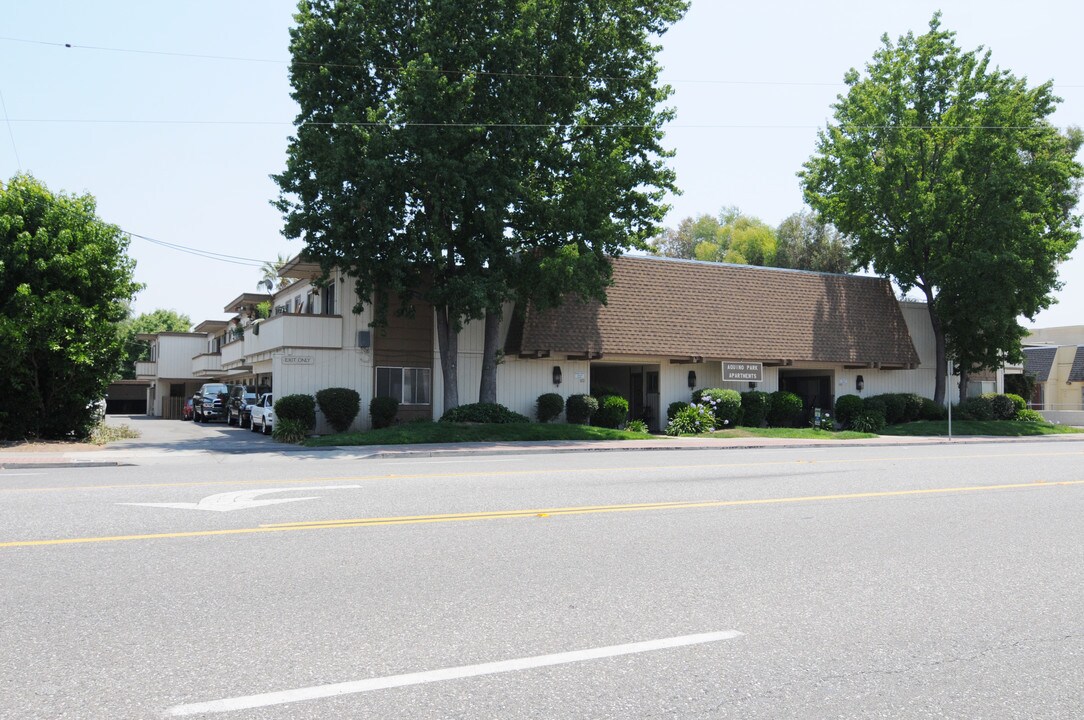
859 383
692 378
556 374
752 385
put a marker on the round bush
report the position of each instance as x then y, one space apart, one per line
912 407
977 408
490 413
580 408
549 407
847 407
931 410
725 405
297 407
1016 400
692 420
1002 407
754 408
340 406
611 413
895 408
383 411
675 408
785 409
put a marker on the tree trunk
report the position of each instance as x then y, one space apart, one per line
487 389
940 360
965 378
448 342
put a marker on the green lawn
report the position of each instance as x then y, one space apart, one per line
999 428
439 432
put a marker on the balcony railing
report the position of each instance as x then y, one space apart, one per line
283 331
207 364
232 353
145 370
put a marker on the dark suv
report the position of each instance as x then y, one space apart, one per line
239 405
209 404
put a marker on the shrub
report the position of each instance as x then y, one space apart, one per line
549 407
340 406
1026 415
637 426
754 408
785 409
931 410
675 408
847 407
383 411
296 407
725 405
691 420
912 407
600 391
493 413
876 404
1019 402
289 431
895 408
977 408
1002 407
870 420
612 411
580 408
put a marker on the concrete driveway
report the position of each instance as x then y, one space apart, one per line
179 436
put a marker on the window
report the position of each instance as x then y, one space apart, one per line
328 294
410 386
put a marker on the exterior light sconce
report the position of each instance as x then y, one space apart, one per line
752 385
692 378
859 383
557 375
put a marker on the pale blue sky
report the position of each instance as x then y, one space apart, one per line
180 148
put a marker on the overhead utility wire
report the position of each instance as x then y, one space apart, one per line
207 254
11 133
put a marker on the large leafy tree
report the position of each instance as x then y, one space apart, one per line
65 281
475 152
805 241
950 178
153 322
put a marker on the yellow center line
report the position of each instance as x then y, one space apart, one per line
544 512
534 471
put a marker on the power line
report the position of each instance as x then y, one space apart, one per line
207 254
11 133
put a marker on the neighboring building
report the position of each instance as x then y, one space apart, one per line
668 327
178 364
1055 359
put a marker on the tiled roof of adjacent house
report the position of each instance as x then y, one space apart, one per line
1076 373
1037 362
679 309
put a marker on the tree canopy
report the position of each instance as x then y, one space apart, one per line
65 283
950 178
733 237
153 322
805 241
475 152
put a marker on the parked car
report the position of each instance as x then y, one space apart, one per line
263 414
188 409
239 406
209 404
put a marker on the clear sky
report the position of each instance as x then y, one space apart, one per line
179 148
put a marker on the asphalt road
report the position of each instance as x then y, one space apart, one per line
918 582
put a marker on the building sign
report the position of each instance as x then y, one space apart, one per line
751 371
297 359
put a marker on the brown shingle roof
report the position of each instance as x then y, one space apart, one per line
676 308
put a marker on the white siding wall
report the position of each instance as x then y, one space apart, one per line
175 354
328 368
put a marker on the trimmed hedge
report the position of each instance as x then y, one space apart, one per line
296 407
611 413
931 410
549 407
847 408
725 405
340 406
1019 402
383 411
754 408
580 408
785 409
490 413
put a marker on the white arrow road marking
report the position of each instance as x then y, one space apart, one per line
360 686
242 499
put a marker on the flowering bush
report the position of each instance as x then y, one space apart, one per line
692 420
725 405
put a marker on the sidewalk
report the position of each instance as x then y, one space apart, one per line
169 439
